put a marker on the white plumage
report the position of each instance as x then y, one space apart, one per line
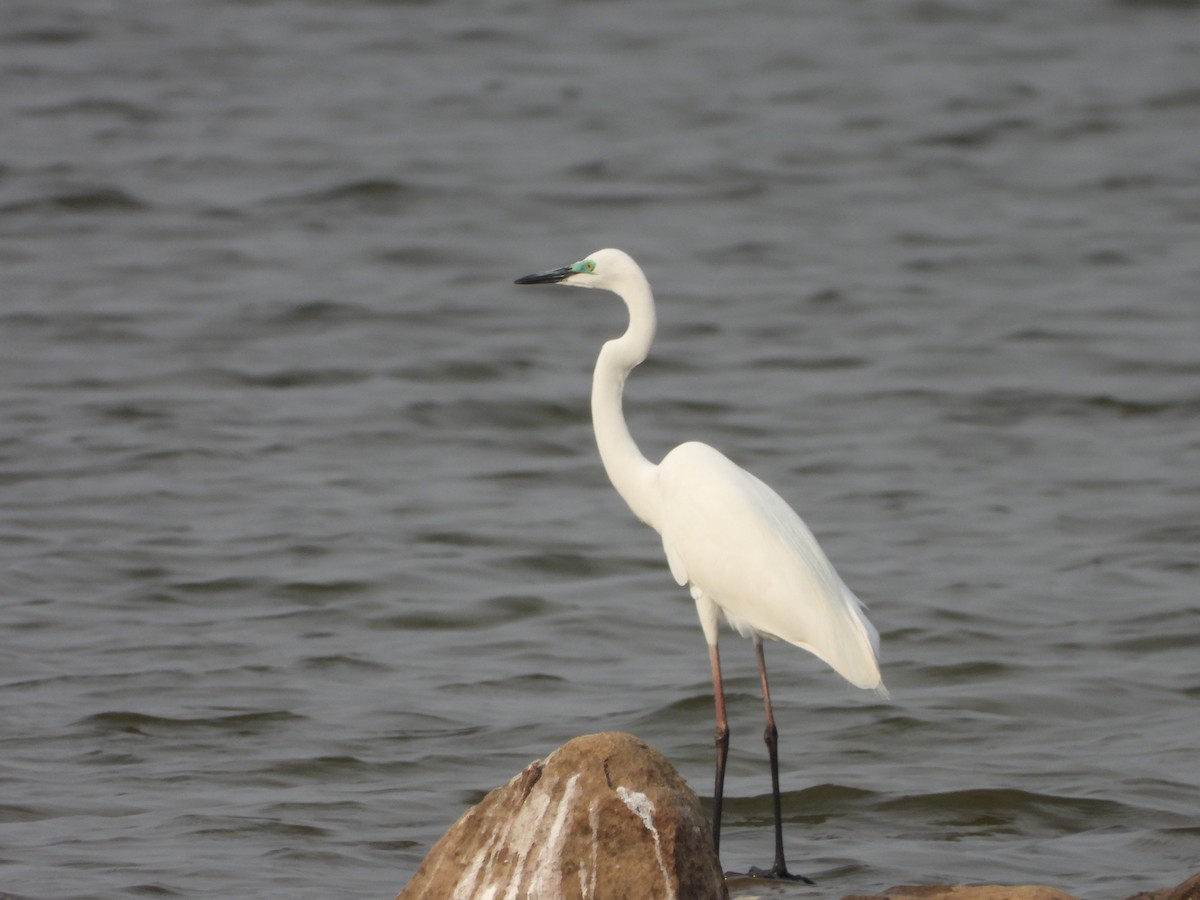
740 547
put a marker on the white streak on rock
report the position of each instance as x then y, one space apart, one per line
588 889
479 880
524 831
642 807
546 880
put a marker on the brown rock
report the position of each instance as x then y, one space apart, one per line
603 817
1187 890
967 892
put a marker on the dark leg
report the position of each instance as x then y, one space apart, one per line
771 736
722 744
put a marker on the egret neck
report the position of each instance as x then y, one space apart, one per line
631 473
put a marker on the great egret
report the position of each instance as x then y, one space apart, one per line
736 544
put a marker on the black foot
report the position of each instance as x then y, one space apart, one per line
778 873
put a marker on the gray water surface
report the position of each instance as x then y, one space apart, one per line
306 544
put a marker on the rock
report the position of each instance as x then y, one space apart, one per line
967 892
1187 890
603 817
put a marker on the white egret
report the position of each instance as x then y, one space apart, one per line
737 545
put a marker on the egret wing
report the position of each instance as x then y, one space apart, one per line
747 551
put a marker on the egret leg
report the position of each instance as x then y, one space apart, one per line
771 737
722 744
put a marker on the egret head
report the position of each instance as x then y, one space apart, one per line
603 269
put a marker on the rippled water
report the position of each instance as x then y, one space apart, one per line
306 544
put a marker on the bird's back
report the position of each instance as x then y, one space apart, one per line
743 547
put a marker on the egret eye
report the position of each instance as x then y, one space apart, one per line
584 267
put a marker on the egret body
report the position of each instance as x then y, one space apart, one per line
742 551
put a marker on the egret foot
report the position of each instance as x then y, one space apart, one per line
778 873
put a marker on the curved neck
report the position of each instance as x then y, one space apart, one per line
630 472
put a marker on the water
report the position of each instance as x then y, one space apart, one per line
305 541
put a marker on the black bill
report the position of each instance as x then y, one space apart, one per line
552 277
